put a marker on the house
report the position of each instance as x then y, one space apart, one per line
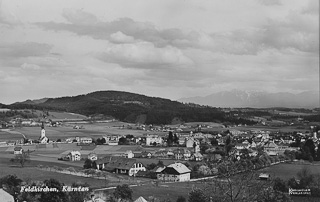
120 165
161 154
17 150
197 156
190 142
112 139
5 196
176 172
72 156
146 154
153 139
86 140
128 154
93 156
182 154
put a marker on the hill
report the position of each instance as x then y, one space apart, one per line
129 107
238 98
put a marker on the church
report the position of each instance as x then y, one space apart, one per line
43 139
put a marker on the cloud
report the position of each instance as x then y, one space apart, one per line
119 37
7 17
17 50
27 66
144 55
312 8
270 2
79 17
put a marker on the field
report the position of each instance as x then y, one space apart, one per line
94 130
286 171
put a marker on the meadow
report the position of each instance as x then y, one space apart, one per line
288 170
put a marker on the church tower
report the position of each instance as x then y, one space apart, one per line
43 132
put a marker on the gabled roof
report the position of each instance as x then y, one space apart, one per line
140 199
178 167
5 196
270 144
17 148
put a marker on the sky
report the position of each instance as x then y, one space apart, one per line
161 48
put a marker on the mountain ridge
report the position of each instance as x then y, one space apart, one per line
256 99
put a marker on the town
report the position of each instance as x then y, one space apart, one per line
116 152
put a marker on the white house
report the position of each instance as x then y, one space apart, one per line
73 156
176 172
112 139
151 139
129 154
86 140
120 165
17 150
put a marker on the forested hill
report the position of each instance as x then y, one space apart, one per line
129 107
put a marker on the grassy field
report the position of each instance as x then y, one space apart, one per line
94 130
286 171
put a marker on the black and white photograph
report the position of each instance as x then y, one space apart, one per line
159 101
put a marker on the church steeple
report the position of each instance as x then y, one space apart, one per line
42 125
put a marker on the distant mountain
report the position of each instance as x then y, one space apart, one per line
128 107
32 102
238 98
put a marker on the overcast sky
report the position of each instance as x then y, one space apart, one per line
162 48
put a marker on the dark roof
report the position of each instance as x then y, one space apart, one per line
17 148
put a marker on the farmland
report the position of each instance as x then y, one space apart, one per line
94 130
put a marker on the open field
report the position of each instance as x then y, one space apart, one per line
94 130
289 170
58 116
31 172
164 191
6 135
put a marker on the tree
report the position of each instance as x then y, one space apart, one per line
21 158
123 141
87 164
160 163
175 139
197 195
181 199
11 183
214 142
279 185
170 138
305 176
78 196
58 196
123 192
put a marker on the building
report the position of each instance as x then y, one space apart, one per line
129 154
120 165
176 172
43 139
197 156
112 139
17 150
72 156
153 139
86 140
93 156
181 153
5 196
